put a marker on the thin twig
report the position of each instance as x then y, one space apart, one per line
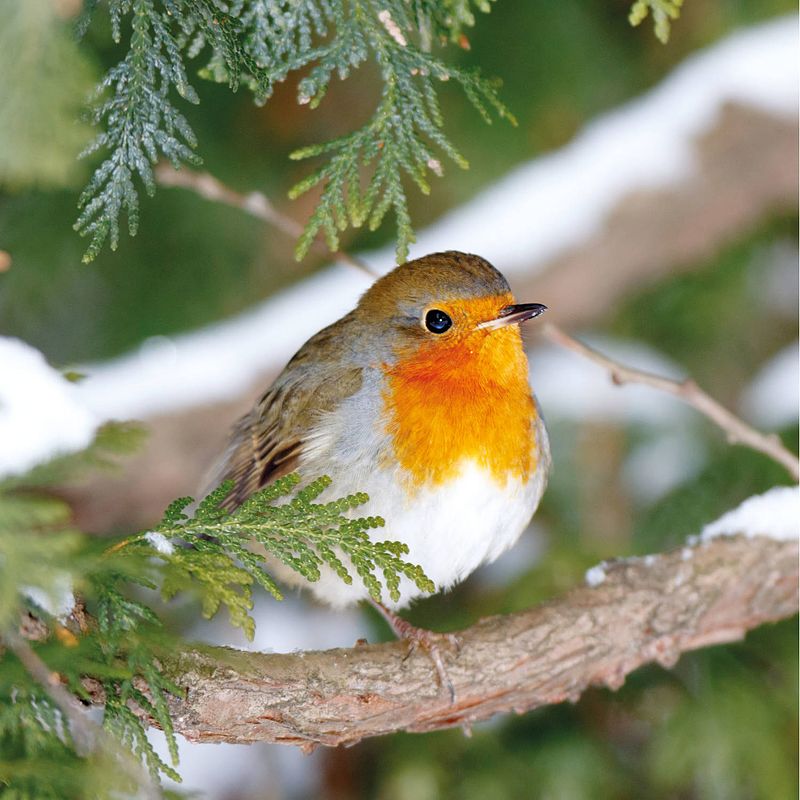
738 431
89 737
255 203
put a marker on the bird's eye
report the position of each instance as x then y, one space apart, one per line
436 321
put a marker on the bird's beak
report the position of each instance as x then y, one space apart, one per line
511 315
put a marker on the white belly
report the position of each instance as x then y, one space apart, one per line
450 530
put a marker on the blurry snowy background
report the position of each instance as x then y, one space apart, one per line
648 198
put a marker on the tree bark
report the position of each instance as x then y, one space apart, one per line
644 610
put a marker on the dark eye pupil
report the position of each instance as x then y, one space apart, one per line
436 321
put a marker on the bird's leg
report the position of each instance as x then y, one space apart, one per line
429 641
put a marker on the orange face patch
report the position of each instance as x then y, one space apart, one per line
463 395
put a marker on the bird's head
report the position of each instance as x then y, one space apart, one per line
444 330
445 309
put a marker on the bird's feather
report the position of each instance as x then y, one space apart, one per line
268 442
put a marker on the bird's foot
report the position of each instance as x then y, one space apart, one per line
432 642
429 641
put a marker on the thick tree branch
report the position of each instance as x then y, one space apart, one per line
644 610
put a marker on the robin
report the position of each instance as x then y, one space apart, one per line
420 398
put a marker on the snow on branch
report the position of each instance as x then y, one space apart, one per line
775 513
643 610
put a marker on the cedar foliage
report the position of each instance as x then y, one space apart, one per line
257 44
75 595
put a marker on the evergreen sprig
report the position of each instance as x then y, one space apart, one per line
104 641
35 742
301 534
141 122
663 11
47 568
259 44
400 138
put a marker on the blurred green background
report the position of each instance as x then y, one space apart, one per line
722 725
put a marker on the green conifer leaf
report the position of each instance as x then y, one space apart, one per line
259 44
663 11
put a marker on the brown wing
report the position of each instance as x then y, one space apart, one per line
268 441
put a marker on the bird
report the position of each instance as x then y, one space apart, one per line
420 398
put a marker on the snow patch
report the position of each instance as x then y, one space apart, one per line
570 387
556 201
57 601
221 361
661 464
773 277
527 552
773 398
42 415
160 543
596 574
212 771
775 514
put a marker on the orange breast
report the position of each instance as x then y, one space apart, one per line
465 399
